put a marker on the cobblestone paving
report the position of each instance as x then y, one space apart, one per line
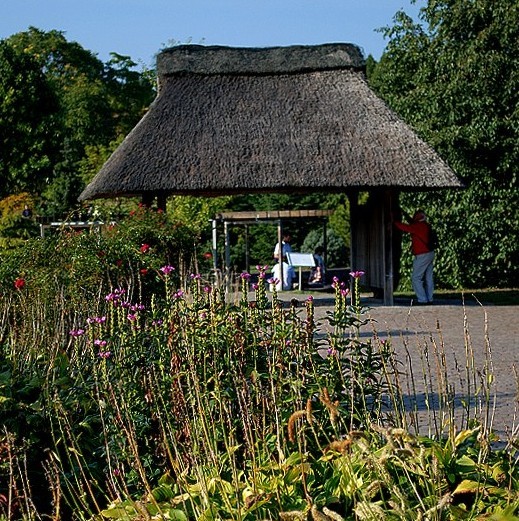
485 336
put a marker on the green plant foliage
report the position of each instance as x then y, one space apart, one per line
83 264
28 108
453 78
14 227
172 403
337 253
60 98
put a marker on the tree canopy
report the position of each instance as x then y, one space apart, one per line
58 101
28 112
454 77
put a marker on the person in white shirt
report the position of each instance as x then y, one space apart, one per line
285 244
288 276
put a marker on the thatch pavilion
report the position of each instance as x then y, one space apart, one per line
282 119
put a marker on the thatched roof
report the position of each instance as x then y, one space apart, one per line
239 120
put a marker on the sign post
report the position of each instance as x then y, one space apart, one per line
301 260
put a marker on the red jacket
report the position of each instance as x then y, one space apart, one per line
420 232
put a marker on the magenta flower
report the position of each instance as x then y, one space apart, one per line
310 299
262 271
245 275
115 295
273 280
167 269
131 317
104 354
100 343
356 274
179 294
345 292
195 276
76 332
208 289
255 286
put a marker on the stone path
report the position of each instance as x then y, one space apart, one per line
452 333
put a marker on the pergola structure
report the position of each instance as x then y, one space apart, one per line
296 119
255 217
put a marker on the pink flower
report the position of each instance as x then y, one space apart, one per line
167 269
76 332
245 275
104 354
115 295
356 274
100 343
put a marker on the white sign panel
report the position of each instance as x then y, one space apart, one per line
301 259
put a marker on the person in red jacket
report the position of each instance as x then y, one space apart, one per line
423 262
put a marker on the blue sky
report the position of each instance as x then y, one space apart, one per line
141 28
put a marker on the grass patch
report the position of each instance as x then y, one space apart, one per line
496 297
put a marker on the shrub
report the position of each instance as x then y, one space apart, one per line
14 227
170 402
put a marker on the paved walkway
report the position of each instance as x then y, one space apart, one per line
461 340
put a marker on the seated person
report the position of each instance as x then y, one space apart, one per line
288 275
317 274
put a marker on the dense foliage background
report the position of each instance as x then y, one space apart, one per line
60 107
132 388
452 75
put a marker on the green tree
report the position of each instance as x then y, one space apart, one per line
94 104
130 92
28 111
454 78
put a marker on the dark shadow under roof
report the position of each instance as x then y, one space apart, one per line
283 119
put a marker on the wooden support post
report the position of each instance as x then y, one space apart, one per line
227 256
247 259
280 252
214 230
387 236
